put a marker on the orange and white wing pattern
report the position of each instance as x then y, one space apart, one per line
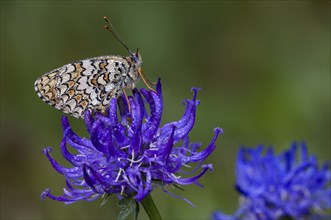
87 84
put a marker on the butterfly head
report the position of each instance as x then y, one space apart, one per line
136 57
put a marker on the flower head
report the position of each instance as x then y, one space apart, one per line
128 153
279 186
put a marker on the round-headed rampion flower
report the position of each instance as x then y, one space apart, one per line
280 186
128 153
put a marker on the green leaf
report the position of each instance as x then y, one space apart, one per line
178 187
128 206
105 198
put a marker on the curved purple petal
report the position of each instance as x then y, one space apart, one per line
88 119
150 128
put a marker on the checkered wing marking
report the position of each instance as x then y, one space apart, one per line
87 84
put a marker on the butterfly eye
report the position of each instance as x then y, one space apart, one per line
135 58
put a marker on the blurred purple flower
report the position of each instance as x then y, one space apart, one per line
280 186
128 154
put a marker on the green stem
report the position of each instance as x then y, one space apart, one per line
150 208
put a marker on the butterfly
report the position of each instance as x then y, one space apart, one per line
91 83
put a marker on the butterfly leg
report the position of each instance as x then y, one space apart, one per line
144 80
127 100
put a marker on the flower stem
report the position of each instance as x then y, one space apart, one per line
150 208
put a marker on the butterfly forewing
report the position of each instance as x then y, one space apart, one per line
87 84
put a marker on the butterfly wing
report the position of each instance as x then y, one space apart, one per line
85 85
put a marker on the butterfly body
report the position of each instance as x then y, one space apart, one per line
89 84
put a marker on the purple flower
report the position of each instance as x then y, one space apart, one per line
280 186
128 153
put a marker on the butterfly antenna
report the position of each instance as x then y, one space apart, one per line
112 30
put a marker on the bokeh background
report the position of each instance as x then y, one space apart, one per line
264 68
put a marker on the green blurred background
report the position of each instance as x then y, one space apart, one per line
264 68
